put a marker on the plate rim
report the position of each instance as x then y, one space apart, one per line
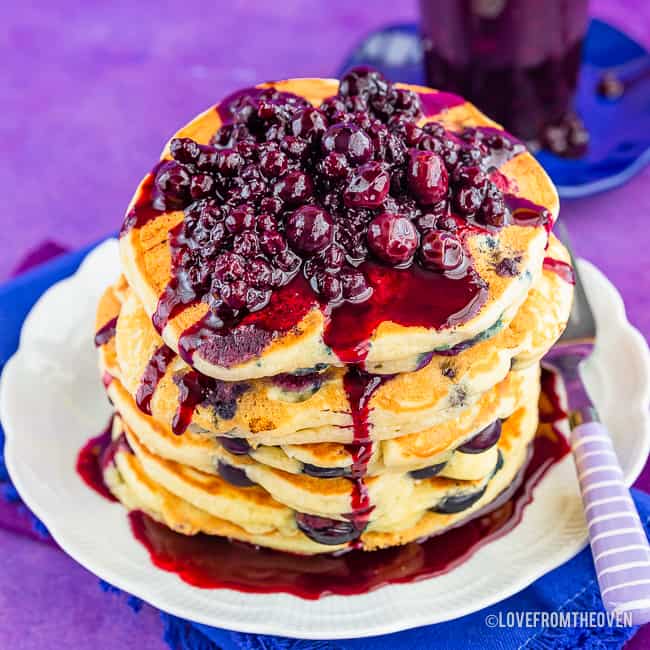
275 627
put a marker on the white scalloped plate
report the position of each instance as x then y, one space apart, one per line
52 401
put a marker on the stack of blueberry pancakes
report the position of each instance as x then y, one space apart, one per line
333 303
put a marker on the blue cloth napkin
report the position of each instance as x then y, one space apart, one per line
569 588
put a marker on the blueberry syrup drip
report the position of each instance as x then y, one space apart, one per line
153 373
527 213
96 455
105 333
403 296
359 388
351 208
210 562
143 210
190 394
561 268
228 343
440 102
195 389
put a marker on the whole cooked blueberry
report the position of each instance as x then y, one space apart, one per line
458 502
427 176
309 229
349 140
493 210
363 81
185 150
330 532
273 163
335 165
287 261
173 181
328 286
334 108
272 242
233 475
294 146
229 266
331 260
483 440
294 188
228 161
427 472
240 218
324 472
234 294
392 238
259 273
309 123
201 186
441 251
246 244
368 187
236 446
354 285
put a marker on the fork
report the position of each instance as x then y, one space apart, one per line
618 542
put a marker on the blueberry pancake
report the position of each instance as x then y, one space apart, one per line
190 501
334 302
302 223
314 407
463 448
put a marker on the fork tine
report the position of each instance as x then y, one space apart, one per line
581 321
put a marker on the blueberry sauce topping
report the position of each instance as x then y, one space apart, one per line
292 207
359 387
193 389
91 461
563 269
209 562
105 333
153 373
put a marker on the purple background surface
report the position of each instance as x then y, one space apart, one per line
89 92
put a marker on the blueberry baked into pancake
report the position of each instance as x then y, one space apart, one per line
333 305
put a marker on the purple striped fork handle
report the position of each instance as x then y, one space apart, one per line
618 541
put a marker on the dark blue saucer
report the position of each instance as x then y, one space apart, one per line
620 129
